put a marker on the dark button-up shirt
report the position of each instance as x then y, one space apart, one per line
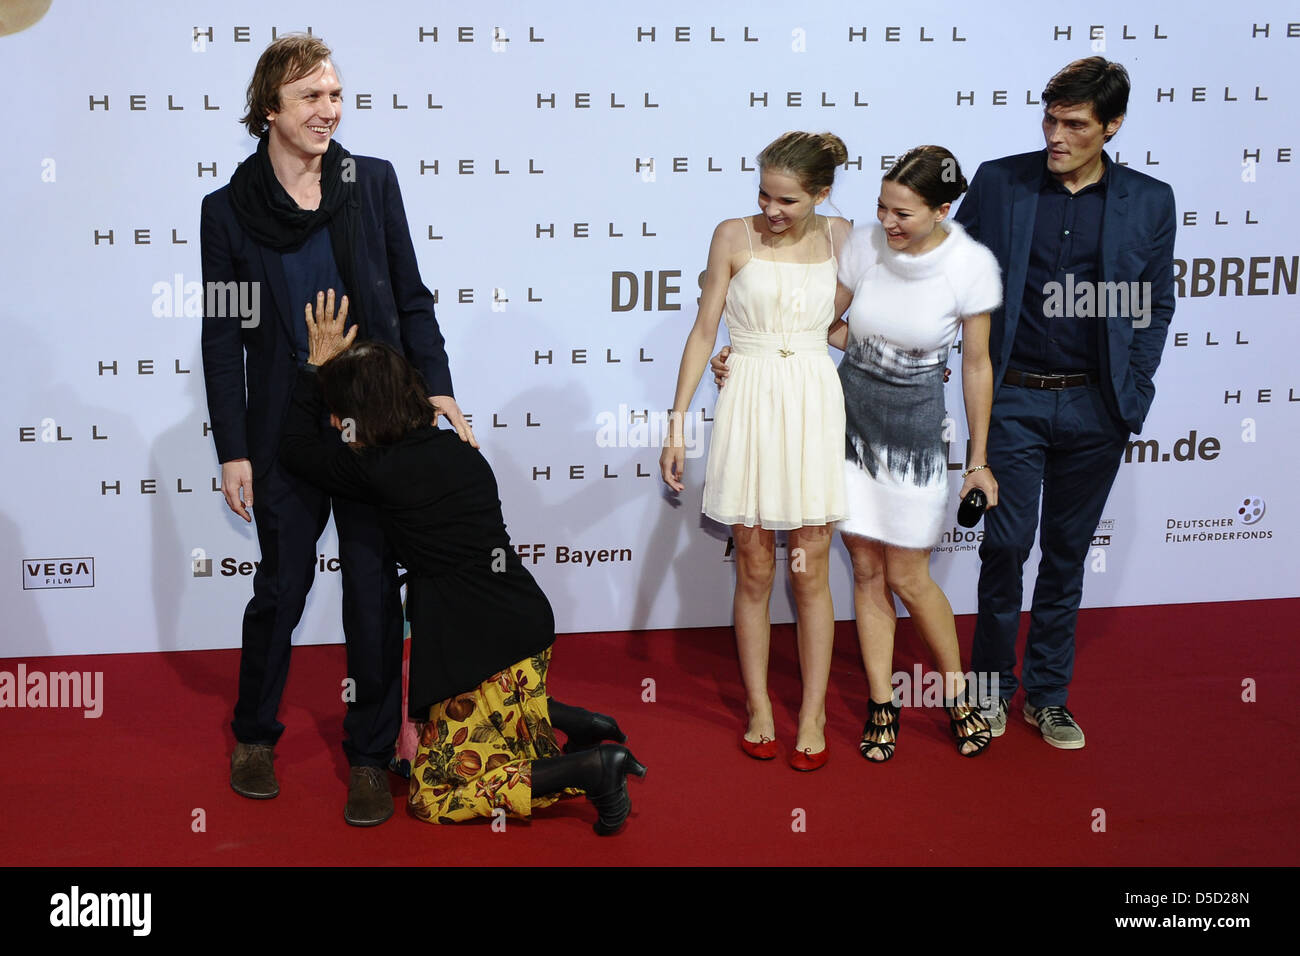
1065 256
307 270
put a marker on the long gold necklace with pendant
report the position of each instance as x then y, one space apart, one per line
785 351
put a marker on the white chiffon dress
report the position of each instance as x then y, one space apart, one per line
776 457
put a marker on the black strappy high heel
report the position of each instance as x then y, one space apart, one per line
880 733
967 724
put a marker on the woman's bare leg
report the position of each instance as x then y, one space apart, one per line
809 578
755 568
907 573
873 606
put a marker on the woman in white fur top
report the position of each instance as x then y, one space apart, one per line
916 280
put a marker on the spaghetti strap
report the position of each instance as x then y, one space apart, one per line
830 236
748 236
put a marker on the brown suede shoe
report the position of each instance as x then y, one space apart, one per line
251 773
369 801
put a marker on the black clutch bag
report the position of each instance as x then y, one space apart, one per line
972 508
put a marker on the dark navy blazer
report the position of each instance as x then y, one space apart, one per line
1137 245
249 372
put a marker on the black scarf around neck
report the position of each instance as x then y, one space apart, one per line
269 215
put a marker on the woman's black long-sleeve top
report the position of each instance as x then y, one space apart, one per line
474 609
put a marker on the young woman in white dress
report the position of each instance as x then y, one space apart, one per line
777 449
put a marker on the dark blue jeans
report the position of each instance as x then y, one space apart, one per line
1065 446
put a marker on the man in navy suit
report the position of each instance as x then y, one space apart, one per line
1086 248
299 217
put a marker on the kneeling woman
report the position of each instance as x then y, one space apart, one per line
481 628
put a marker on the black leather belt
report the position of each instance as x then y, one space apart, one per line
1054 382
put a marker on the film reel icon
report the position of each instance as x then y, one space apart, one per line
1251 510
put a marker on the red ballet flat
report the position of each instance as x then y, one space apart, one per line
807 760
764 749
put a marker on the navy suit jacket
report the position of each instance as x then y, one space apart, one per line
250 369
1137 245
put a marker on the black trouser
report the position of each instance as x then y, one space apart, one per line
290 515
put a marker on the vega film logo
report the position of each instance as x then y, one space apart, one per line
39 573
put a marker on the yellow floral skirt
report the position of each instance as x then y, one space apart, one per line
476 750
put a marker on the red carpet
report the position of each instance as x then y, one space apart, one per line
1184 771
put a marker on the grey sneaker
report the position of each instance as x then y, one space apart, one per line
996 716
251 773
1057 725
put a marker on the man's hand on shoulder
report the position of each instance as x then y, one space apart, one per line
446 405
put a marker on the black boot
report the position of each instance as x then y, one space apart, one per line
584 728
600 773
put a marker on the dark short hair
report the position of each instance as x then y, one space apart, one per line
810 157
382 393
1094 80
931 172
287 59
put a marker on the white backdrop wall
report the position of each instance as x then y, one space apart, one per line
563 166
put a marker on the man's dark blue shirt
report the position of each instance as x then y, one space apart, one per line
307 270
1066 243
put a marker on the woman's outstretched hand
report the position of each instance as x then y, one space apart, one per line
672 461
325 338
